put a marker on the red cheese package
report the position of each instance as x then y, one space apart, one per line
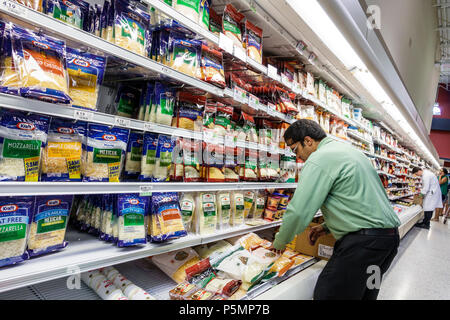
226 287
212 67
253 41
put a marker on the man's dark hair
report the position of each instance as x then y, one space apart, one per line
415 170
445 171
302 128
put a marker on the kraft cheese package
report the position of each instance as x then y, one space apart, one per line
184 55
106 149
64 155
86 72
9 73
41 61
166 221
22 138
73 12
189 8
164 155
131 213
148 160
134 156
127 100
15 217
48 226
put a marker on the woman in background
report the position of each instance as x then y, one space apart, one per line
443 182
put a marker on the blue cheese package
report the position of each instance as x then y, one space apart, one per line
48 225
148 160
73 12
15 217
134 156
22 138
106 149
131 214
109 227
41 62
166 221
86 73
64 155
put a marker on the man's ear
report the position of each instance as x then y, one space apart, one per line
308 141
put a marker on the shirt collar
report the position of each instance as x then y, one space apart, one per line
324 142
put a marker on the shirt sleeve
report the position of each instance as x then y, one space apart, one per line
426 184
312 190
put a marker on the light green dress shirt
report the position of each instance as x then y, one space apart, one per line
342 182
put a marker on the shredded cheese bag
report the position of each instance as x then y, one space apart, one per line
163 162
189 8
231 24
133 159
62 159
163 110
127 100
48 226
223 209
184 55
73 12
190 109
22 138
148 160
207 213
105 153
253 41
166 219
204 14
131 212
260 204
108 218
131 25
212 67
41 61
9 74
15 217
33 4
86 72
215 22
192 156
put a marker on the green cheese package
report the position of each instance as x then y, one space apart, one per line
163 159
134 156
206 213
223 204
106 149
131 213
73 12
162 110
232 25
22 140
127 101
148 160
188 208
237 208
184 55
146 101
204 15
189 8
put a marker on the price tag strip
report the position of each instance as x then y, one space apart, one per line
240 95
122 122
253 102
240 53
83 115
225 43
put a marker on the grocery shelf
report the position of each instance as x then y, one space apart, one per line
385 158
354 135
48 188
400 197
397 189
85 252
385 173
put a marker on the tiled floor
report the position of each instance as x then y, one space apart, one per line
421 269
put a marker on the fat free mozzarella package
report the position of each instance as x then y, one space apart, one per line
131 213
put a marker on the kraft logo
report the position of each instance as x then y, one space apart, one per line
167 145
69 4
64 130
140 141
9 208
55 202
81 63
109 137
40 45
166 199
155 143
25 126
133 201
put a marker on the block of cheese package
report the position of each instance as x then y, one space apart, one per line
175 263
9 73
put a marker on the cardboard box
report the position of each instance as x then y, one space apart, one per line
323 248
418 199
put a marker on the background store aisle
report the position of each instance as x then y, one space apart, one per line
420 269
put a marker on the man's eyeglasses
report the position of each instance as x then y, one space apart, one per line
295 149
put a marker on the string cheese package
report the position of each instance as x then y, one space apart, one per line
231 24
190 109
192 158
64 155
188 209
207 213
22 139
215 22
223 199
163 162
41 61
86 72
148 160
184 55
106 149
189 8
212 66
204 15
131 212
73 12
134 156
162 112
237 208
176 262
48 226
33 4
131 25
253 41
166 221
127 101
9 74
15 217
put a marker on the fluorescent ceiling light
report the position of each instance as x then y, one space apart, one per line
318 20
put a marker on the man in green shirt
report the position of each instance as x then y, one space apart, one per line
342 182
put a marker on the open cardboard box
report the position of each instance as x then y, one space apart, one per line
323 248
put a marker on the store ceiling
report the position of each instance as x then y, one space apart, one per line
443 7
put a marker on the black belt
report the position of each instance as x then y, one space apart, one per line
377 232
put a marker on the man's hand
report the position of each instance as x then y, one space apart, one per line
315 233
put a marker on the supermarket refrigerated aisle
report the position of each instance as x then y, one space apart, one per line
421 269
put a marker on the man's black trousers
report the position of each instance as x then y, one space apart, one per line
354 270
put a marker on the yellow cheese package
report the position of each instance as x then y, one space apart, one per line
86 72
250 241
190 109
9 74
176 262
41 61
237 208
131 26
22 138
206 213
33 4
184 55
223 200
212 66
63 157
214 161
106 149
166 220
